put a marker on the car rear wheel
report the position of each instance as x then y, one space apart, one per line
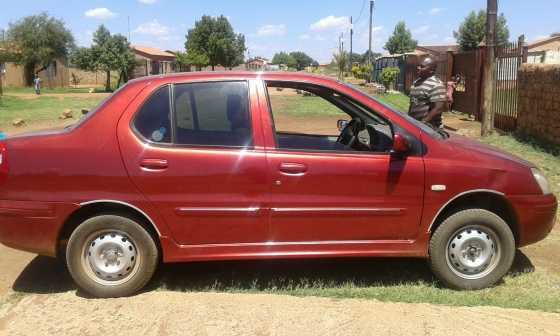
111 256
472 249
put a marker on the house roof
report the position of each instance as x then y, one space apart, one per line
438 49
543 41
152 51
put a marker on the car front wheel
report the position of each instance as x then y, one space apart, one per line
111 256
472 249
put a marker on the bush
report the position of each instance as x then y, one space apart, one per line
362 71
389 76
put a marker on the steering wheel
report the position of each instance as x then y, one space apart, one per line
349 134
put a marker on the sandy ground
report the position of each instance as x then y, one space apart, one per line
175 313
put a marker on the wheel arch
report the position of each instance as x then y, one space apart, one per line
491 200
98 207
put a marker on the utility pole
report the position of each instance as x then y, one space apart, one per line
371 7
488 119
351 37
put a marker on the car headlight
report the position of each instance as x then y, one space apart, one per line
541 181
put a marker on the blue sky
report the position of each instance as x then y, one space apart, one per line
312 26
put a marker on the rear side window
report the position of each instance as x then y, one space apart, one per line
152 121
213 114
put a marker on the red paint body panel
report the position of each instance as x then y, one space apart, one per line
211 203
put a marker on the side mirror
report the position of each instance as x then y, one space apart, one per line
341 124
400 144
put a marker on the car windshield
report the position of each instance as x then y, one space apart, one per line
435 133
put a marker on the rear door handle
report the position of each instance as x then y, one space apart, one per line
154 164
293 169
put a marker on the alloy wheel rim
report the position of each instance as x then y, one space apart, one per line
473 252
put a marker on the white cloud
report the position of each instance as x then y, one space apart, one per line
153 28
272 30
449 39
304 37
148 2
331 22
100 13
436 10
421 30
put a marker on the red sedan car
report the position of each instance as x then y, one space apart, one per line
216 166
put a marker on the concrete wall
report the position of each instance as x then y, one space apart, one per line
539 102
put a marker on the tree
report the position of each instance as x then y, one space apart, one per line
472 31
341 60
302 60
284 58
215 38
401 41
192 58
107 53
389 76
366 57
39 40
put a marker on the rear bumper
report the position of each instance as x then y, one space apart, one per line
536 215
33 226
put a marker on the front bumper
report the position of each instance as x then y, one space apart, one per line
33 226
536 215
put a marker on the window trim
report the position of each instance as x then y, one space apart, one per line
172 116
278 149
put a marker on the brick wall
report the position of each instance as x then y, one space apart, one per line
539 102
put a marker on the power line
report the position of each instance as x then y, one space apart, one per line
361 12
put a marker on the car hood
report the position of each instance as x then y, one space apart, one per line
469 145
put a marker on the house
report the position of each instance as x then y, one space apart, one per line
545 50
152 61
256 64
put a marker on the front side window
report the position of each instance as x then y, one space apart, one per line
314 118
213 114
152 121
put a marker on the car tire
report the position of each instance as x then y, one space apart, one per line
472 249
111 256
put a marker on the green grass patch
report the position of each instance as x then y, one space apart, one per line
397 101
391 280
303 106
42 109
30 90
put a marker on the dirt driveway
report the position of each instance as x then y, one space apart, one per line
174 313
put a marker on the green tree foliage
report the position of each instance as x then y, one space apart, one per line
389 76
215 38
284 58
472 30
401 41
107 53
39 40
341 60
366 57
192 58
362 71
302 60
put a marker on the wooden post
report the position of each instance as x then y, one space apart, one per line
449 65
488 119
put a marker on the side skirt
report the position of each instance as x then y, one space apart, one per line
293 250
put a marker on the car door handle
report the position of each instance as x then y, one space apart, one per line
154 164
294 169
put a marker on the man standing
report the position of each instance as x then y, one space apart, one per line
37 84
428 96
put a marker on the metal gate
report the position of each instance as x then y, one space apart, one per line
467 97
504 105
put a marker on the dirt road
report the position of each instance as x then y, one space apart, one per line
175 313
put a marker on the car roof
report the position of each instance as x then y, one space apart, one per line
267 75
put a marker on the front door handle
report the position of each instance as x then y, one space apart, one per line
154 164
293 169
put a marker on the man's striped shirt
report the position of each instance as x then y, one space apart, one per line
423 93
